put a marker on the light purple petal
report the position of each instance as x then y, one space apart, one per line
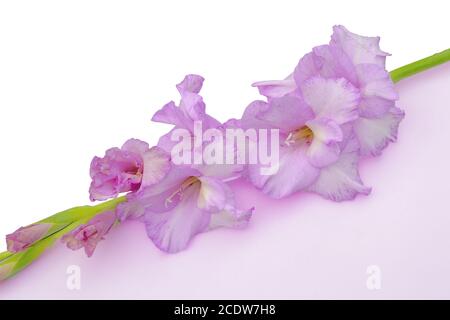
191 83
214 194
359 48
375 81
87 236
324 149
171 114
286 113
249 119
276 88
193 106
294 173
375 134
135 146
334 99
341 180
156 165
172 231
231 217
327 62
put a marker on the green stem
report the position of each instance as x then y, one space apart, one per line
63 222
420 65
66 221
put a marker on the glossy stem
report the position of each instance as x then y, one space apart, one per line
420 65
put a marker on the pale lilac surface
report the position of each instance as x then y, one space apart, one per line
300 247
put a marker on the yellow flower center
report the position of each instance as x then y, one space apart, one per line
304 134
179 192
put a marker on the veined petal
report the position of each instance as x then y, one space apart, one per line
191 83
171 114
359 48
375 81
335 99
214 194
374 107
341 180
287 113
374 134
276 88
135 146
294 173
325 61
192 105
156 165
324 149
231 217
172 231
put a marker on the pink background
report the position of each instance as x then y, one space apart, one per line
301 247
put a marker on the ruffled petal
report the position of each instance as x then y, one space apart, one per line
171 231
375 81
327 62
359 48
335 99
193 106
294 173
341 180
156 166
276 88
171 114
135 146
324 149
191 83
375 134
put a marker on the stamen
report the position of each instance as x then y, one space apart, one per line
303 134
186 184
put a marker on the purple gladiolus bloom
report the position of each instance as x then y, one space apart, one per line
90 234
185 203
360 61
315 136
24 237
129 168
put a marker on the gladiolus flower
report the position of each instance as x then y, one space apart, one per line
125 169
87 236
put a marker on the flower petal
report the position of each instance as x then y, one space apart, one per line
359 48
156 165
294 173
375 134
335 99
214 194
341 180
325 61
191 83
376 81
171 231
135 146
324 149
231 217
276 88
171 114
286 113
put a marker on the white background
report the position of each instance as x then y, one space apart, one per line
78 77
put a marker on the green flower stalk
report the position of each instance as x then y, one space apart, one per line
27 244
60 224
